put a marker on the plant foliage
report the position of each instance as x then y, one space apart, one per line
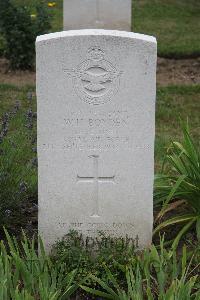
19 30
152 275
26 275
180 185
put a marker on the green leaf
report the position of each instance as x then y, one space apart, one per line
174 220
182 232
171 194
98 293
198 228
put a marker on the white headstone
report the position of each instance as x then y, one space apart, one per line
104 14
96 94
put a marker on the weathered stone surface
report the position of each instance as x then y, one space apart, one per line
104 14
96 104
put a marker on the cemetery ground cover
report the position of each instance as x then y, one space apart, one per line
169 72
18 180
175 23
18 117
152 274
173 101
158 272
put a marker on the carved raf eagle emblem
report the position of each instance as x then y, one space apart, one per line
95 80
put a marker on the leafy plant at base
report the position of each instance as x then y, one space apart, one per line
180 185
20 30
26 275
152 275
74 251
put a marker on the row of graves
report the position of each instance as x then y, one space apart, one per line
96 91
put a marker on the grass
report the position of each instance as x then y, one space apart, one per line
175 23
9 94
18 165
174 102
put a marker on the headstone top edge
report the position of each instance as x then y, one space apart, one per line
96 32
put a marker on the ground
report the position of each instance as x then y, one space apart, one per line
178 71
169 71
176 25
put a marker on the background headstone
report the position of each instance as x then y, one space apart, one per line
96 94
104 14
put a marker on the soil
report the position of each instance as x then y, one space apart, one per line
19 78
169 71
178 71
24 217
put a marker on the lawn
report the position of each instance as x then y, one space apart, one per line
175 23
18 163
173 103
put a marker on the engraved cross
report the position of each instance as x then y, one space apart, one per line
96 179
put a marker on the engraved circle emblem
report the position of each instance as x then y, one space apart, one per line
96 80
